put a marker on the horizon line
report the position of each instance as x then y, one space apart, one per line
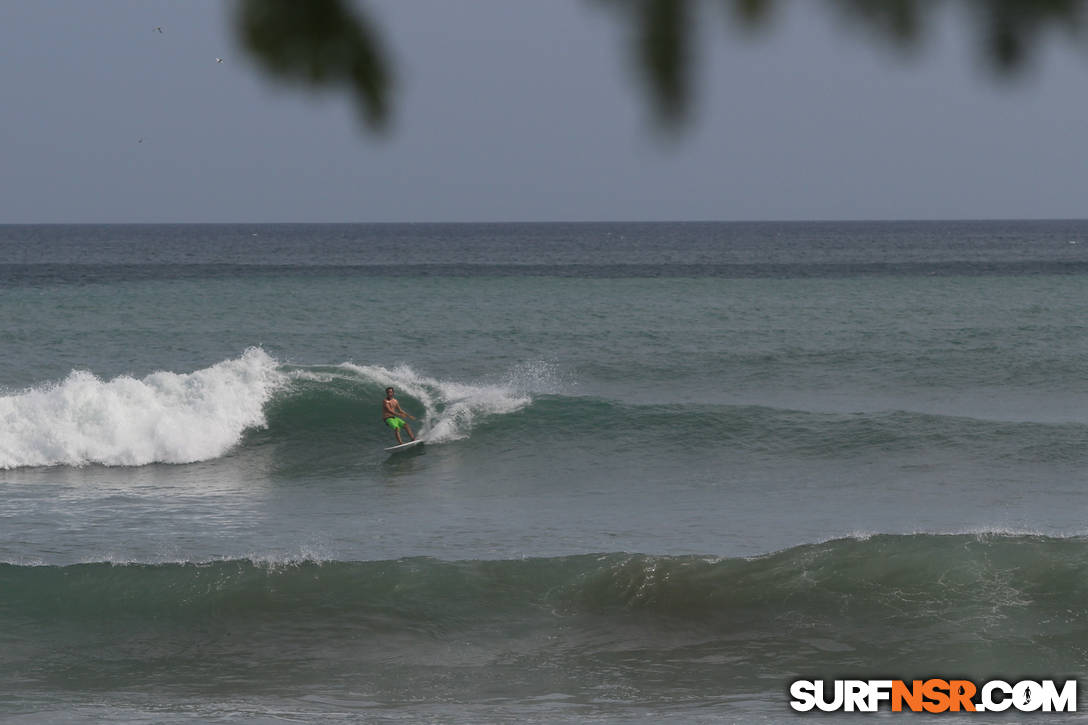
866 220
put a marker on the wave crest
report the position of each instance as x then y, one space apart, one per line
895 581
164 417
169 417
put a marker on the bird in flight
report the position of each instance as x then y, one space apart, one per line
218 60
157 29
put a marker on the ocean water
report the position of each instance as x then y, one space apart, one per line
669 468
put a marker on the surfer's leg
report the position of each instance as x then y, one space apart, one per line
409 429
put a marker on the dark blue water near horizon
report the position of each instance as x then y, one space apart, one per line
746 244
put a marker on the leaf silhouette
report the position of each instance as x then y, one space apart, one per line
320 43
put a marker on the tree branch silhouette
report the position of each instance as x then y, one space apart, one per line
332 42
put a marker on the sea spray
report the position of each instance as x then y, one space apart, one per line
451 408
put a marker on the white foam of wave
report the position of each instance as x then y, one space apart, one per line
164 417
451 409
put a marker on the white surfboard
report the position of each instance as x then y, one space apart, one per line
405 446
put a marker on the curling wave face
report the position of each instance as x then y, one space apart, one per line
884 603
169 417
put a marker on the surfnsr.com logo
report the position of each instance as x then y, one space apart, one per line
933 695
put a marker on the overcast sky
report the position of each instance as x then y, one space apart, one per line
524 110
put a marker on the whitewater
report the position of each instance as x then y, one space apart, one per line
171 417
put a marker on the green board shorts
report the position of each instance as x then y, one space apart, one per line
394 423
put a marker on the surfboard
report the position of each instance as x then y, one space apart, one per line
405 446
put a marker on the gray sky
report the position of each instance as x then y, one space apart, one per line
524 110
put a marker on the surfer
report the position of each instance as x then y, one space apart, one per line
391 412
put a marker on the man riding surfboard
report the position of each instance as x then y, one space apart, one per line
391 412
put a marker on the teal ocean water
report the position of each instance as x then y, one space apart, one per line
669 468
